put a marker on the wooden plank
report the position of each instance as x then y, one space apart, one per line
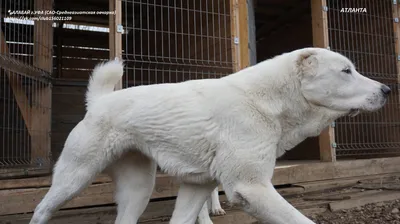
43 38
244 34
327 198
327 184
341 169
115 37
396 32
80 63
41 109
156 212
324 173
319 24
239 30
25 200
235 50
84 53
41 126
252 32
363 200
7 173
320 39
38 182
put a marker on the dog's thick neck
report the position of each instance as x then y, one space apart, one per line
280 87
298 118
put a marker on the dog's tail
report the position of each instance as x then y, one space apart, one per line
103 80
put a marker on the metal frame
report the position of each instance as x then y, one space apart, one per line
25 67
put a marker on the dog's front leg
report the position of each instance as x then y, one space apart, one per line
190 200
245 167
266 204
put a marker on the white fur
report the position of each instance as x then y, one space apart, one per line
228 131
104 79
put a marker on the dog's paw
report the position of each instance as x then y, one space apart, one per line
218 211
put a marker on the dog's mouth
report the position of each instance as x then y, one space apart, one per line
354 112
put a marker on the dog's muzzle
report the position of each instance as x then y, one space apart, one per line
385 90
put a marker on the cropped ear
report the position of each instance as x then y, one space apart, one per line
307 62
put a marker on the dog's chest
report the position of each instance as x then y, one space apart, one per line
295 134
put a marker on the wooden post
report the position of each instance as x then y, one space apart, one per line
240 34
115 33
235 34
396 32
41 107
320 39
244 34
251 5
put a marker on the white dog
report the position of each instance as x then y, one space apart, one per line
226 131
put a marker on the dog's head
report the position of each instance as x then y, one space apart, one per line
330 80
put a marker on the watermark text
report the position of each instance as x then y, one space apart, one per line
353 10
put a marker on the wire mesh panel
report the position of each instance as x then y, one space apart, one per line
174 40
25 93
363 31
19 96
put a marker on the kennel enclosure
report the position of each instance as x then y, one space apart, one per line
44 68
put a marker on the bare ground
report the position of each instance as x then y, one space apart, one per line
376 213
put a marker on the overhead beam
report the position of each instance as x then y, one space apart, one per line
320 39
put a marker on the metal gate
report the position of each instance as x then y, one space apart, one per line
25 90
363 30
173 40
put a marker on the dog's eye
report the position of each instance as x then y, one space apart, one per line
347 71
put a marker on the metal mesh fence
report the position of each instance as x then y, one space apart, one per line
363 31
174 40
25 94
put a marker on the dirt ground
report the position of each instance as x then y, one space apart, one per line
377 213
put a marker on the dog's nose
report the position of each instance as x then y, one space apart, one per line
385 89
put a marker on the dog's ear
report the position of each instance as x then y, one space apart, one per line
307 61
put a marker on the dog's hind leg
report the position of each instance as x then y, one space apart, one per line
82 158
70 177
134 175
191 198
